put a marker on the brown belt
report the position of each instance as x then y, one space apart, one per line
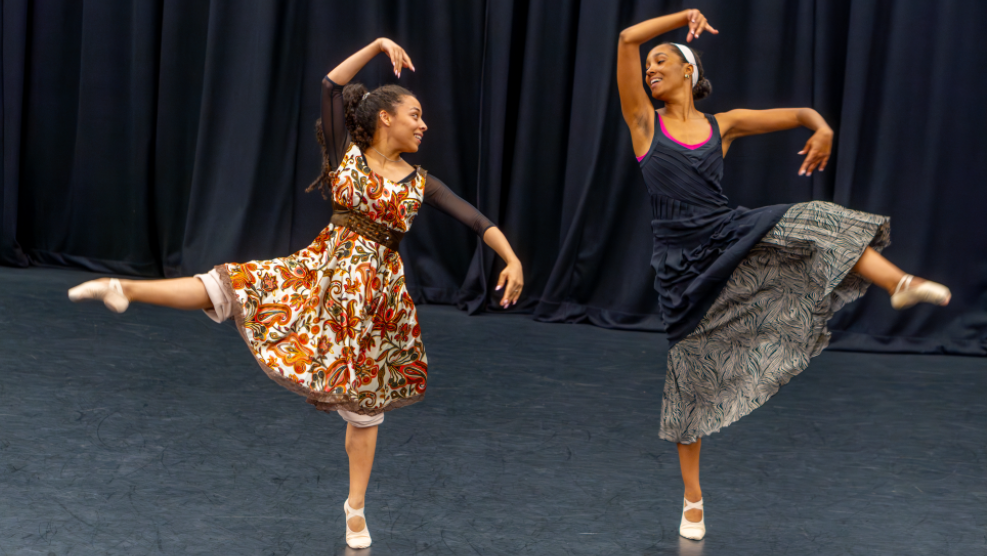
365 227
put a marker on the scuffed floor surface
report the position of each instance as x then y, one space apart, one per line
154 432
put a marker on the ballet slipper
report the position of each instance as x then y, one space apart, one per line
693 530
111 292
905 295
356 539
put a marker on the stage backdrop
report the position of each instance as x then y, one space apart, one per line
163 137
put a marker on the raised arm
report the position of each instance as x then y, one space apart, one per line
343 73
740 123
635 104
333 112
441 197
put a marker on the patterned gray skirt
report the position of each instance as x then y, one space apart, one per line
769 319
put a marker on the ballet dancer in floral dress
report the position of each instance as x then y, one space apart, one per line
334 322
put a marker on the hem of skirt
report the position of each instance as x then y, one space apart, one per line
697 437
354 406
879 241
323 401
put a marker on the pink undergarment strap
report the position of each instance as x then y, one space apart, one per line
690 147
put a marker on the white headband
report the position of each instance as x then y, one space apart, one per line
691 58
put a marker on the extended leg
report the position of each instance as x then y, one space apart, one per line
885 274
873 266
177 293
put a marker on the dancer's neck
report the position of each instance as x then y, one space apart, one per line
680 111
382 151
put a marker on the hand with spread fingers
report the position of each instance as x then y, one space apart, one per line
399 58
512 282
697 25
817 151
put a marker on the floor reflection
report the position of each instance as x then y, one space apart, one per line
690 548
357 551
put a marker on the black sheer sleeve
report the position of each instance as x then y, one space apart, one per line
334 133
441 197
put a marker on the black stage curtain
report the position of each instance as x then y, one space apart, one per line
160 138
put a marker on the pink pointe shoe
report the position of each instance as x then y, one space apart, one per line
111 292
905 295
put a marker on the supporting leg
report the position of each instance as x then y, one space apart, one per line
689 463
361 444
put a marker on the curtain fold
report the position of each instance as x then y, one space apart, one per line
163 137
13 19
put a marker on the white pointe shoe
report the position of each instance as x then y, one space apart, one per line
356 539
110 292
905 295
694 530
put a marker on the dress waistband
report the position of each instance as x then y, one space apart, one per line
365 227
668 208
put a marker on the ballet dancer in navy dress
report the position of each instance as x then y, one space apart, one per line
744 294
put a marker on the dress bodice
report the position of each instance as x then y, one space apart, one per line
355 186
698 239
360 189
683 177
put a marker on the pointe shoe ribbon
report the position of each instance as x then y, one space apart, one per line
905 295
111 293
356 539
694 530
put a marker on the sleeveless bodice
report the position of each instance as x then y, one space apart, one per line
676 174
698 239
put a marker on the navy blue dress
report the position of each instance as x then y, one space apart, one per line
745 294
698 239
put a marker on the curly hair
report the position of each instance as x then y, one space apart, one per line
361 113
324 182
703 87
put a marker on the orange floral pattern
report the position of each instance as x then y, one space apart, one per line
334 321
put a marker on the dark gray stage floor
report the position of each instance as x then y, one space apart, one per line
153 432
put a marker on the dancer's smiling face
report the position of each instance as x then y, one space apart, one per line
405 127
665 71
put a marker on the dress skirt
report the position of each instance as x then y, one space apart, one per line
333 322
769 319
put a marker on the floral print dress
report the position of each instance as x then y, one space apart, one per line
334 322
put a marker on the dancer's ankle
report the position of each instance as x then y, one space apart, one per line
900 285
127 287
694 495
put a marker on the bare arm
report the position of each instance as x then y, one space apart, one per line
634 101
740 123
